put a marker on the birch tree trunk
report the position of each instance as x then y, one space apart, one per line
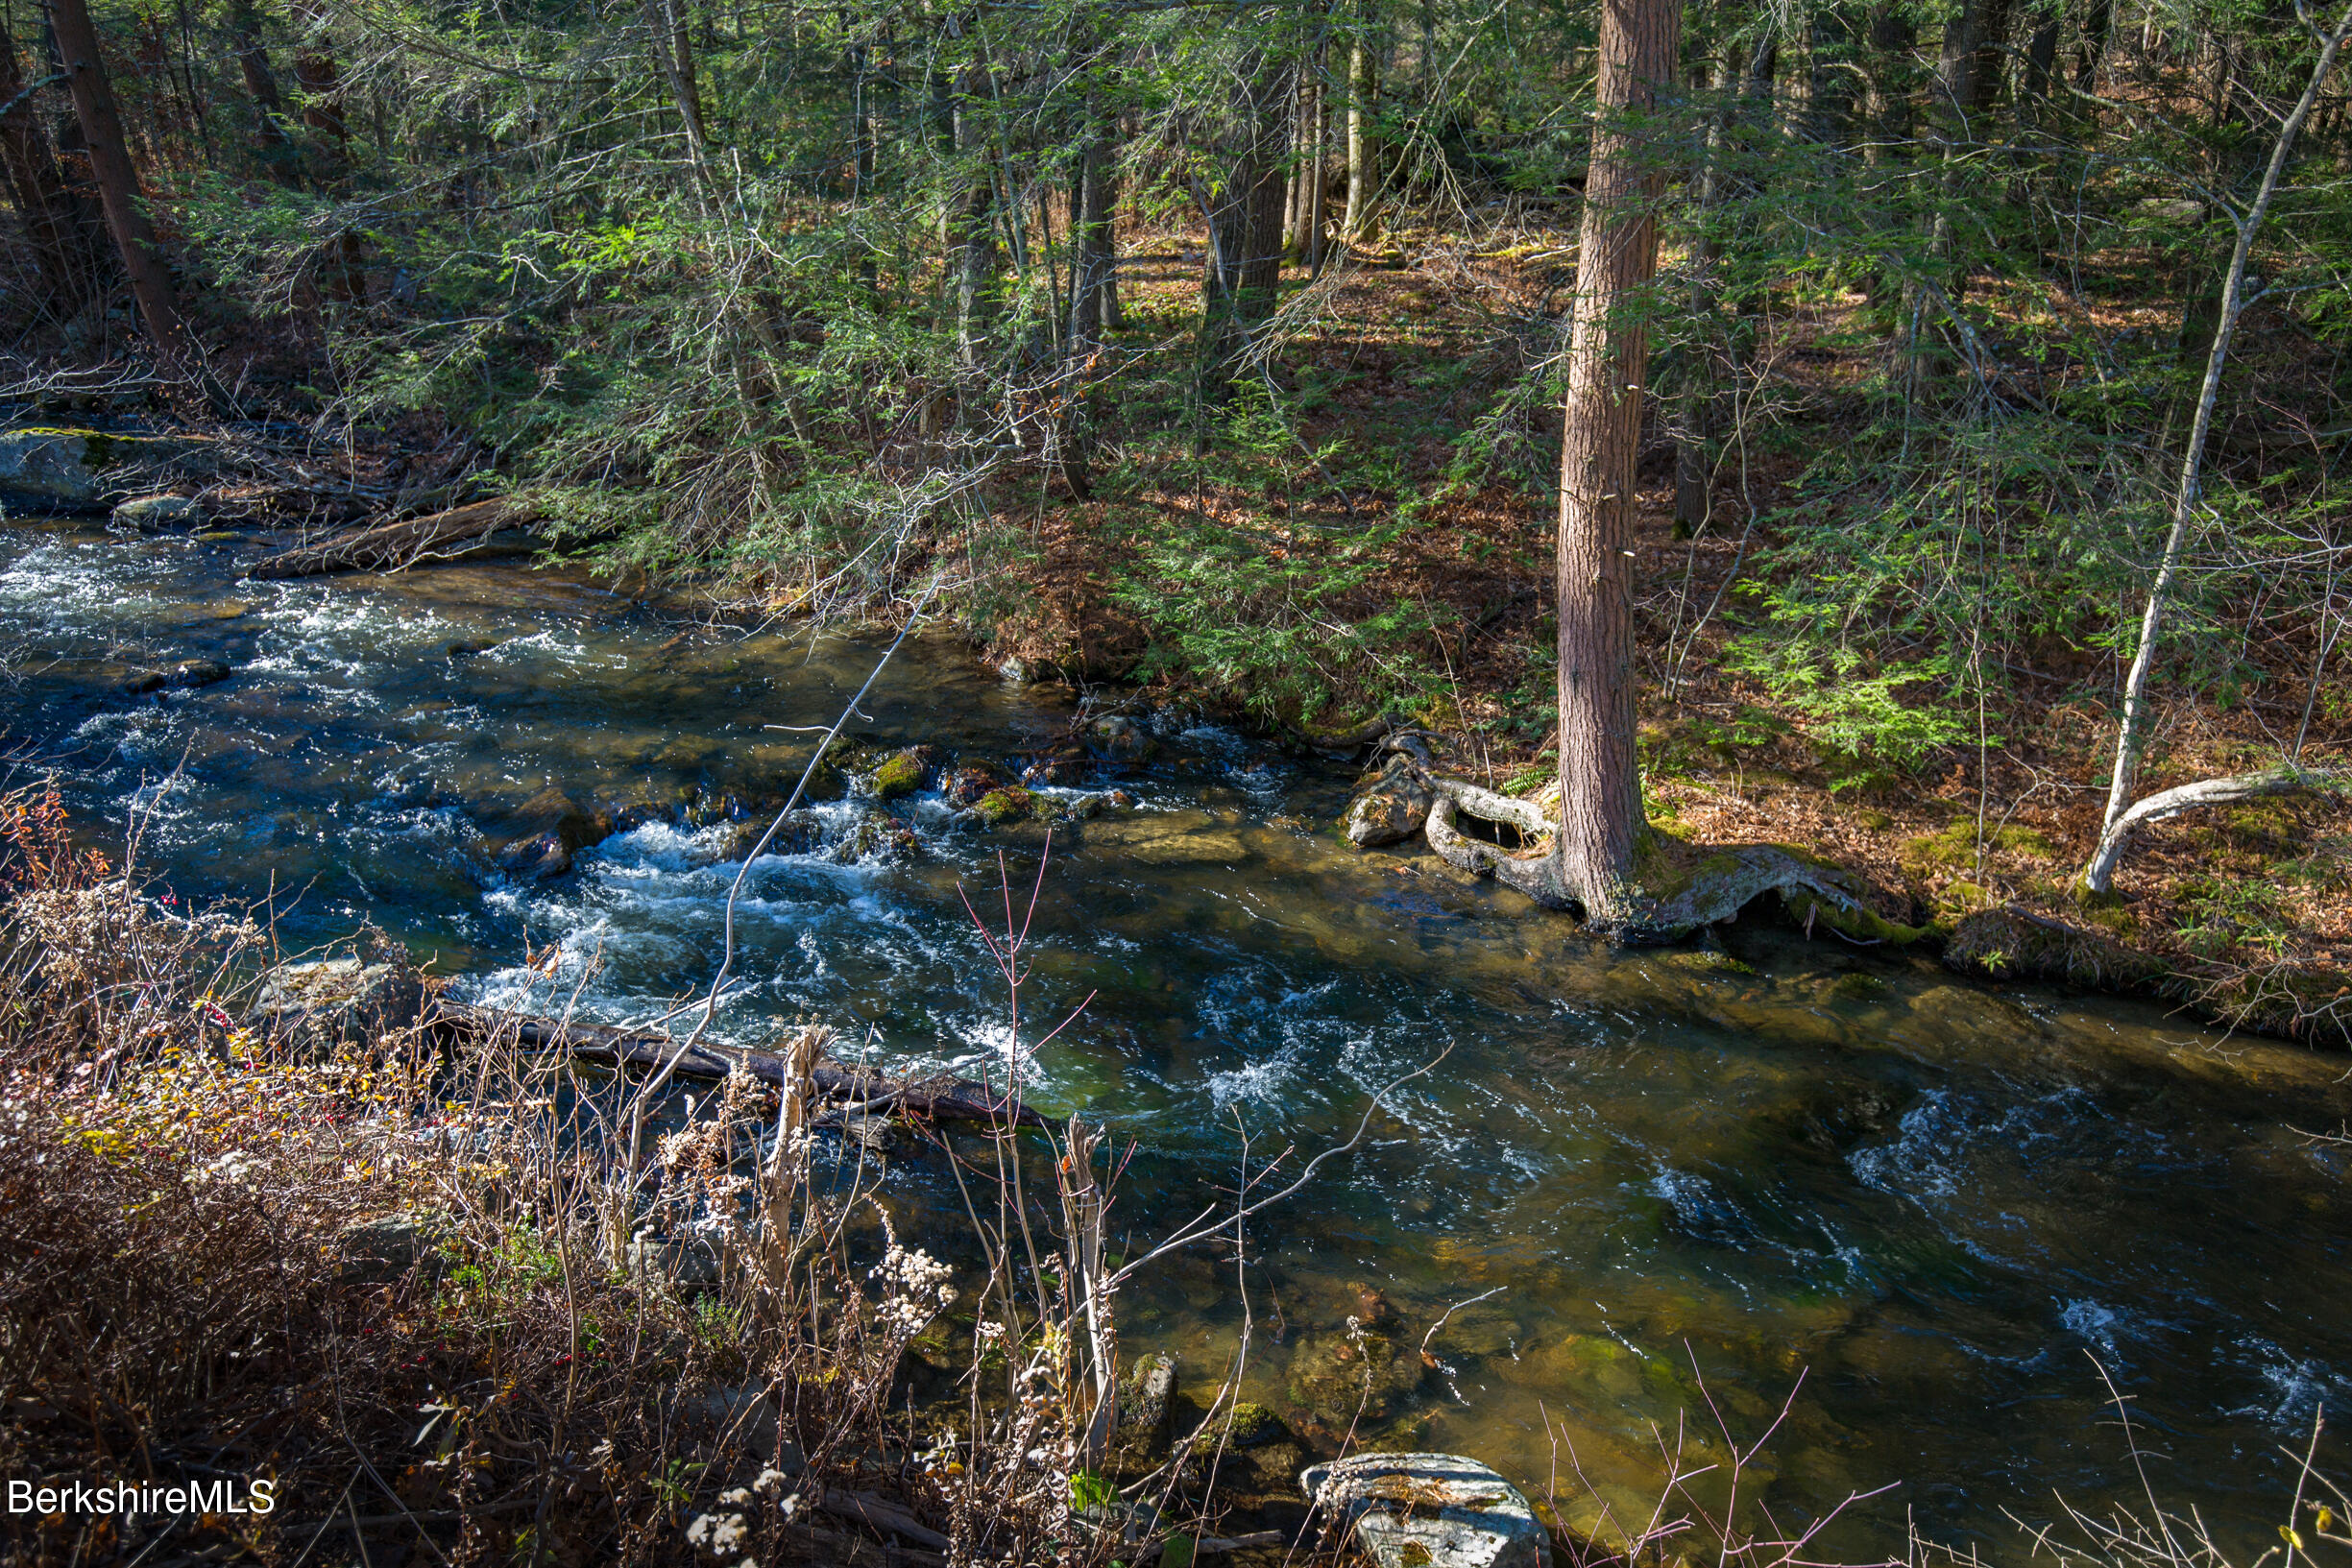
1600 786
2132 738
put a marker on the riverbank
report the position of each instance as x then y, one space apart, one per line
1384 561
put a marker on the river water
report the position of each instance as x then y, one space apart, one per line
1946 1215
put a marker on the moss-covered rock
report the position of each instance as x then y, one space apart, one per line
1010 803
826 783
904 773
1254 1426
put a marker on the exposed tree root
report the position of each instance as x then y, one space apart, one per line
1678 888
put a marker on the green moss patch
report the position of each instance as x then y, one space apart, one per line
903 774
1010 804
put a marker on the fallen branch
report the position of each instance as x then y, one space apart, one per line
939 1099
2286 779
391 546
873 1511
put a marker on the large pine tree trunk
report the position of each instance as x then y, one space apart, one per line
1600 787
118 185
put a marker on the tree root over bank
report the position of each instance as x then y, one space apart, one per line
1677 887
1680 887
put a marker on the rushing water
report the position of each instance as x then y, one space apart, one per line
1948 1206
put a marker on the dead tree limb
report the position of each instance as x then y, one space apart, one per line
2286 779
938 1098
391 546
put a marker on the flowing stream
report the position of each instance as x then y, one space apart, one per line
1946 1207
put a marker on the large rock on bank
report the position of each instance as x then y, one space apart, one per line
346 1001
1389 812
1430 1511
48 470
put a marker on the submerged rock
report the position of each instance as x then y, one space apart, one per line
348 999
1430 1511
1121 739
553 828
1064 768
186 673
1337 1375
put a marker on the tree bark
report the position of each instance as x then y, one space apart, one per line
1363 138
2132 737
664 38
2097 23
1318 157
321 81
118 186
43 201
270 141
1242 276
1600 786
972 241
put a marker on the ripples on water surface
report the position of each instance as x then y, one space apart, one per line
1936 1200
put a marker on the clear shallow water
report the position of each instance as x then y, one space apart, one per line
1936 1202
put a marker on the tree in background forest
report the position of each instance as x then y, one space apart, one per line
1255 321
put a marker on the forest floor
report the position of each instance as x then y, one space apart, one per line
2246 911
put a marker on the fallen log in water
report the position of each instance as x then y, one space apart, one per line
391 545
939 1099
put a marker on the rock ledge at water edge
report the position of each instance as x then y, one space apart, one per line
1430 1511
